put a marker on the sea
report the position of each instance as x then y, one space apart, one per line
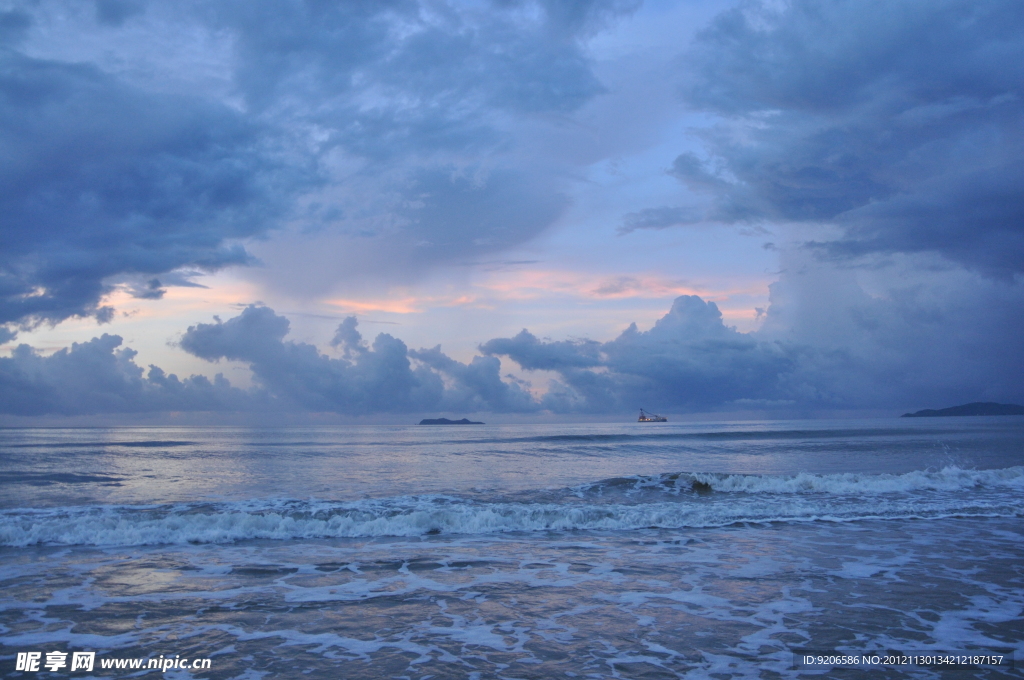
882 548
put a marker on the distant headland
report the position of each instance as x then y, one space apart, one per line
445 421
976 408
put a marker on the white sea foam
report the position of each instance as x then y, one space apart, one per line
801 498
946 479
950 478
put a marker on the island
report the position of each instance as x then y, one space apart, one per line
445 421
976 408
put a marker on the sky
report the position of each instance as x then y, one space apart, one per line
224 211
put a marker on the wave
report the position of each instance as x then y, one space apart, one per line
730 499
949 478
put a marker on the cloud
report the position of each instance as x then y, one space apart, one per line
13 26
418 110
7 334
659 218
406 71
96 377
455 217
532 354
99 179
825 343
99 376
391 124
378 140
476 386
688 361
116 12
383 377
974 217
928 333
901 123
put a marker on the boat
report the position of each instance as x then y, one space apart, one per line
651 418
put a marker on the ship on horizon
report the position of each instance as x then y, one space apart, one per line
651 418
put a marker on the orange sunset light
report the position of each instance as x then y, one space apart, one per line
533 284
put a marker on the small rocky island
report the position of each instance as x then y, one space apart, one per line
445 421
976 408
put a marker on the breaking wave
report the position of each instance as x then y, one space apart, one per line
670 501
947 479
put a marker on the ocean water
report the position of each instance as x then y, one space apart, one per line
667 550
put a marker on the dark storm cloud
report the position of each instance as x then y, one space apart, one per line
104 181
377 378
901 122
423 66
425 97
976 217
98 179
928 334
97 377
689 360
825 344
